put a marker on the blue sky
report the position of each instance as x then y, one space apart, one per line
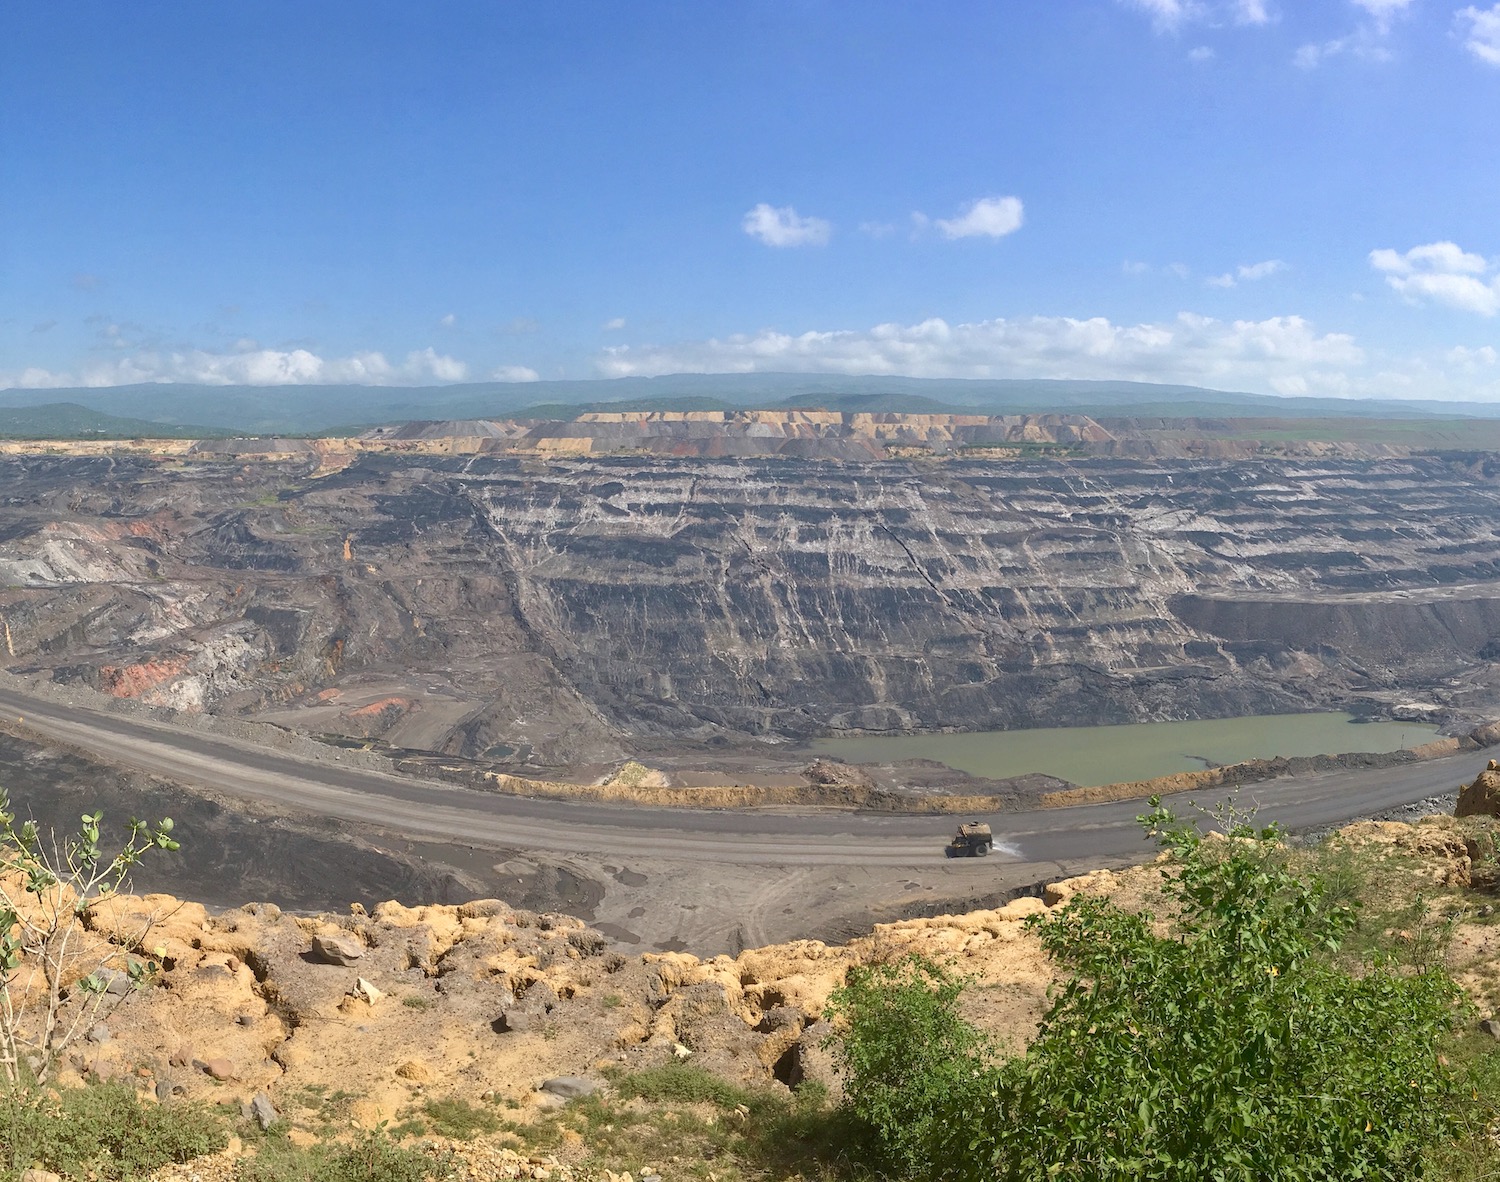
1250 194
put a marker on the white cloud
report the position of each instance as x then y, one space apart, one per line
1167 16
783 226
1309 57
1136 267
1367 41
614 324
1473 360
1191 349
988 217
1482 34
1444 272
1200 53
514 373
449 320
1250 272
250 367
1383 12
1246 273
429 362
1164 14
1435 256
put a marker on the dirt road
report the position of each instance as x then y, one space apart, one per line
1029 844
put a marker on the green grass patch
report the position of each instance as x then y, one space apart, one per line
102 1131
455 1117
687 1122
373 1156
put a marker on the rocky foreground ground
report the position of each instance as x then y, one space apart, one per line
379 1013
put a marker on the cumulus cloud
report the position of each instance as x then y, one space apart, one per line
449 320
1246 273
1480 29
250 367
1136 267
1442 271
1310 56
1249 272
784 226
1382 12
614 324
1473 360
988 217
1367 40
1167 16
1164 14
1191 349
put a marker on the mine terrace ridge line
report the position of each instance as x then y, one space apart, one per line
1072 837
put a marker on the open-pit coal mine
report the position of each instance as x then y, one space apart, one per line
570 613
511 611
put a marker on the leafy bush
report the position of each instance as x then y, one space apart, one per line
914 1069
1231 1046
47 889
103 1131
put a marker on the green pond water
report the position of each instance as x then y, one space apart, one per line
1091 755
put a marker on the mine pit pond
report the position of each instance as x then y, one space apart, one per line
1089 755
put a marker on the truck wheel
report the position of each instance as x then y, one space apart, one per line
981 849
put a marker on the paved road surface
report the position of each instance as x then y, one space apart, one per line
1062 838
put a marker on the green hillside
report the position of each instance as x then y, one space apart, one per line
68 420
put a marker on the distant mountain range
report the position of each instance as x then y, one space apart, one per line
126 411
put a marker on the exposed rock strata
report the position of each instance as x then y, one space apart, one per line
572 611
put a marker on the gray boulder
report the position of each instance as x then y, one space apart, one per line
569 1087
264 1111
340 950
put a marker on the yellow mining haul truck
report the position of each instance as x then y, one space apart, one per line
973 840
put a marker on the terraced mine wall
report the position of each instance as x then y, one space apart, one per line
542 613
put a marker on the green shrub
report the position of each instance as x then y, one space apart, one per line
42 958
103 1131
912 1066
1231 1046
